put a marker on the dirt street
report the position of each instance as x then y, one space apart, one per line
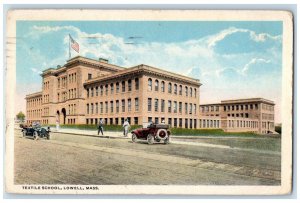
73 159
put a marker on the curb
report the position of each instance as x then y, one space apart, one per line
99 136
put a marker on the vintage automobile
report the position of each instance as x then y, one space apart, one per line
152 133
35 131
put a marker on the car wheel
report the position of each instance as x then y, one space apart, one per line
150 139
35 135
167 140
133 137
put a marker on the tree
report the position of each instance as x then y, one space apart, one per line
21 116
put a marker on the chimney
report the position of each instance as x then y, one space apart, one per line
103 60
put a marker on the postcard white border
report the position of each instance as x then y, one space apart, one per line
158 15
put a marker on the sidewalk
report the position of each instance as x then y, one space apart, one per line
92 133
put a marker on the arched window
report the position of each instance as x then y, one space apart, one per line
101 90
186 91
129 85
123 86
180 89
117 87
170 87
191 91
162 86
111 88
195 94
156 85
175 88
150 84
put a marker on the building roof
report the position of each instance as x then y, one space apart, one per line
32 95
144 69
83 60
247 100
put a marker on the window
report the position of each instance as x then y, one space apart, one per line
123 105
111 106
156 105
136 101
162 86
149 104
150 84
96 108
87 109
195 92
170 121
175 122
117 87
185 108
191 92
169 106
92 92
195 108
106 89
246 107
101 90
242 107
96 91
180 107
180 122
137 85
251 106
136 120
186 91
170 87
87 92
175 107
92 108
117 106
123 86
58 82
129 105
162 108
180 89
175 88
190 112
156 85
129 85
111 88
217 108
256 106
106 107
89 76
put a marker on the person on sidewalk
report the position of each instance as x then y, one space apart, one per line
57 125
100 126
126 127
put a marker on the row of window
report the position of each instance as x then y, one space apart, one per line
62 81
266 116
246 115
72 94
268 125
72 109
267 107
34 113
209 108
205 123
241 107
46 98
242 124
113 121
104 89
102 107
176 108
34 102
171 88
46 85
46 111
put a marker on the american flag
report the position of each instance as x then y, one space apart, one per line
74 44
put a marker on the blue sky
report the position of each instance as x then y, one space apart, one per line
231 59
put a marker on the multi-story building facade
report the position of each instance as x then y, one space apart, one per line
241 115
85 90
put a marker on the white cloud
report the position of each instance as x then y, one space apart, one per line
252 62
261 37
36 71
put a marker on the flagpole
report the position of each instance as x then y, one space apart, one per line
69 48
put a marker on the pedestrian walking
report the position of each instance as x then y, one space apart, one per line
100 126
126 127
57 125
